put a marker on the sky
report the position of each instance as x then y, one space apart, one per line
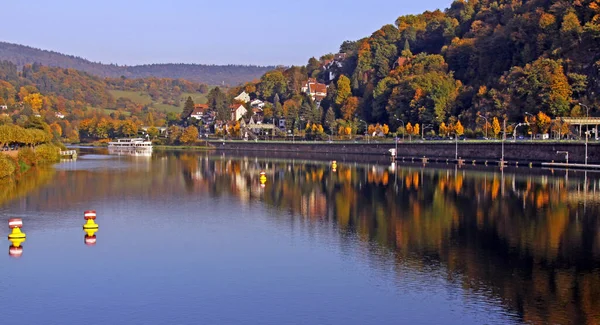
260 32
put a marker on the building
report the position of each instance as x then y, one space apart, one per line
200 110
243 97
257 103
237 111
317 91
3 107
59 115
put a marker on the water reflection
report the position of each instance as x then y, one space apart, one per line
532 241
528 240
16 249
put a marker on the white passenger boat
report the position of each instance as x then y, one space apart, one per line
135 146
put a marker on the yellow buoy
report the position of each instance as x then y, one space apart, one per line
90 216
15 224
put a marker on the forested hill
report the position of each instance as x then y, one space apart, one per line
476 60
209 74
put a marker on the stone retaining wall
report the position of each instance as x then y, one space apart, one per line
513 151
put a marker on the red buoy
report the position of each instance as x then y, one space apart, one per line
15 223
89 215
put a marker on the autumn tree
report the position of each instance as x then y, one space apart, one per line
410 130
496 126
542 122
189 135
459 128
349 107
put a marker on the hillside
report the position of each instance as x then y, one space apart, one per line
209 74
477 62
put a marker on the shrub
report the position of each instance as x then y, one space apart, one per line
7 166
47 154
28 156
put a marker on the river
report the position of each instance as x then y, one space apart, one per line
198 238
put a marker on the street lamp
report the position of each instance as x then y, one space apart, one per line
404 127
515 130
529 124
486 124
587 131
366 129
423 130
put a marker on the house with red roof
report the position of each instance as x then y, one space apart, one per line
317 91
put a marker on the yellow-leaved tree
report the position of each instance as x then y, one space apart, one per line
190 135
34 100
496 126
459 128
409 130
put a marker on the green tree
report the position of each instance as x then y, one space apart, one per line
343 90
330 121
271 83
218 101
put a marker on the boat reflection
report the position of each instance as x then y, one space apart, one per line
135 152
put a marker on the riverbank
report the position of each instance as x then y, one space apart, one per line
523 152
16 162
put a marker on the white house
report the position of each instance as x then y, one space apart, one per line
59 115
257 103
243 97
3 107
237 111
317 91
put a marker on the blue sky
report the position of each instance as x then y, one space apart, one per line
262 32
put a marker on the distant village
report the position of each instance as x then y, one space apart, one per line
254 122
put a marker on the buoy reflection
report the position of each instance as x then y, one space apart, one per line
90 237
15 249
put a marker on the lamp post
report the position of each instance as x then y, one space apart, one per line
423 130
587 131
515 130
456 147
403 127
526 113
486 125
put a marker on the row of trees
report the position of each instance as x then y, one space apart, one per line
14 134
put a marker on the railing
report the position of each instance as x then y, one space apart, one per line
71 153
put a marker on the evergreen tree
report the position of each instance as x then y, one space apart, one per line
188 108
278 107
330 120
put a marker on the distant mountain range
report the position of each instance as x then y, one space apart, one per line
209 74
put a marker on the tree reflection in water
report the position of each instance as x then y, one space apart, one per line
530 240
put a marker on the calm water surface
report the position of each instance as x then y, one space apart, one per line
191 238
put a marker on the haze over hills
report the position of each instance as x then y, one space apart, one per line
210 74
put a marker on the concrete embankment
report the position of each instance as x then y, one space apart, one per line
514 152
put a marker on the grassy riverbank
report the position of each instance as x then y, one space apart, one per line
15 163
